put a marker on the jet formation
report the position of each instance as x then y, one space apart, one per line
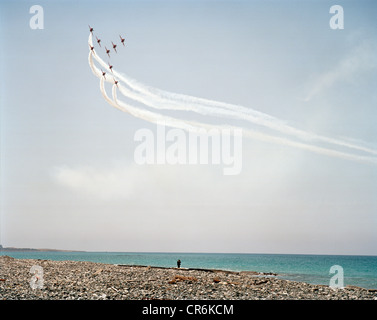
114 45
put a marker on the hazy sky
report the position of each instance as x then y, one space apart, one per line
68 175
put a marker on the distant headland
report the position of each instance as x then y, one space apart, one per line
34 249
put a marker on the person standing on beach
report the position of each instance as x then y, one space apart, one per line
179 263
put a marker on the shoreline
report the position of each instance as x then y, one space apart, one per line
83 280
199 269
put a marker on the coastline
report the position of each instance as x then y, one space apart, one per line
255 273
14 249
83 280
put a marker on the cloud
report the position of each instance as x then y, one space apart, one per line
358 62
137 183
103 183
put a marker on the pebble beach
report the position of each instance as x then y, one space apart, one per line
74 280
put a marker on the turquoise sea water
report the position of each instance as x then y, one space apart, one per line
315 269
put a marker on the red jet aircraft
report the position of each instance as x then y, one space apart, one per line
98 41
114 46
121 39
107 51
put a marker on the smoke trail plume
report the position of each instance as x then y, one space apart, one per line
159 99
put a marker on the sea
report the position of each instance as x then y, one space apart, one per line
354 270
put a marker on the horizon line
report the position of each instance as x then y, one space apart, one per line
178 252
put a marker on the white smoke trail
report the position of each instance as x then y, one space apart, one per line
136 112
173 101
98 74
150 97
234 111
158 118
193 126
165 100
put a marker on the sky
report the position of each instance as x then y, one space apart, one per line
68 175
